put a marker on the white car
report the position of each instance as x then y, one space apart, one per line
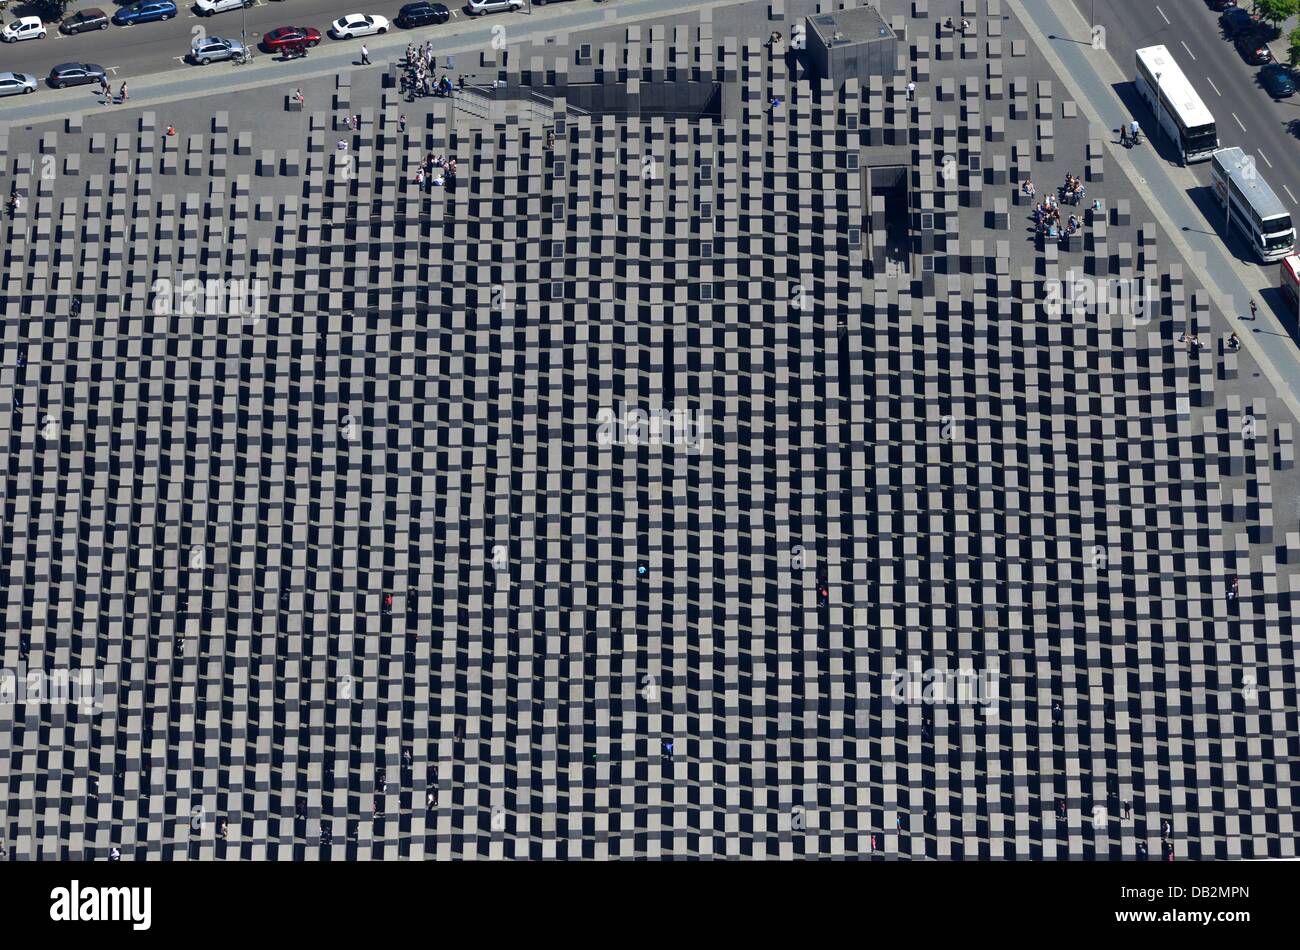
358 24
209 7
23 28
480 7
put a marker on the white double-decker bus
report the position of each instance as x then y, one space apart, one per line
1179 111
1250 204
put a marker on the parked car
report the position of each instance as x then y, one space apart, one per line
1222 4
1277 81
1237 21
422 13
209 7
91 18
1253 47
23 28
214 49
13 84
358 24
480 7
283 36
75 74
145 11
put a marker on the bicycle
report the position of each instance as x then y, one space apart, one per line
241 59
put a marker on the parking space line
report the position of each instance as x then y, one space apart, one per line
1243 128
1288 191
1189 50
1213 86
1265 157
1162 15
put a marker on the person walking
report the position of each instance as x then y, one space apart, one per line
123 92
1254 310
1123 135
365 55
1135 131
911 91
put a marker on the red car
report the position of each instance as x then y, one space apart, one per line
286 36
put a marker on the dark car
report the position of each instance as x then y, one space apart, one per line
145 11
91 18
1222 4
286 36
75 74
422 14
1237 21
1253 47
1277 81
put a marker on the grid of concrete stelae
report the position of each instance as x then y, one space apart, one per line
929 466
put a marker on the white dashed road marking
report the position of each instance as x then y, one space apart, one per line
1162 14
1243 128
1265 157
1213 86
1288 191
1189 51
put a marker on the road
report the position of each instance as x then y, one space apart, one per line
149 48
1245 114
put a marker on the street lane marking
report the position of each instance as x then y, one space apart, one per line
1243 128
1162 14
1288 191
1265 157
1189 50
1213 86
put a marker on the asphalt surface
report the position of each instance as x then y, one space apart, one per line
148 48
1245 114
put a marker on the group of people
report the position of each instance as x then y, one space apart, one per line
1047 219
1047 213
106 91
437 170
419 79
1130 134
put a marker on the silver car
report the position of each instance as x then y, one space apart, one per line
215 48
11 84
480 7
